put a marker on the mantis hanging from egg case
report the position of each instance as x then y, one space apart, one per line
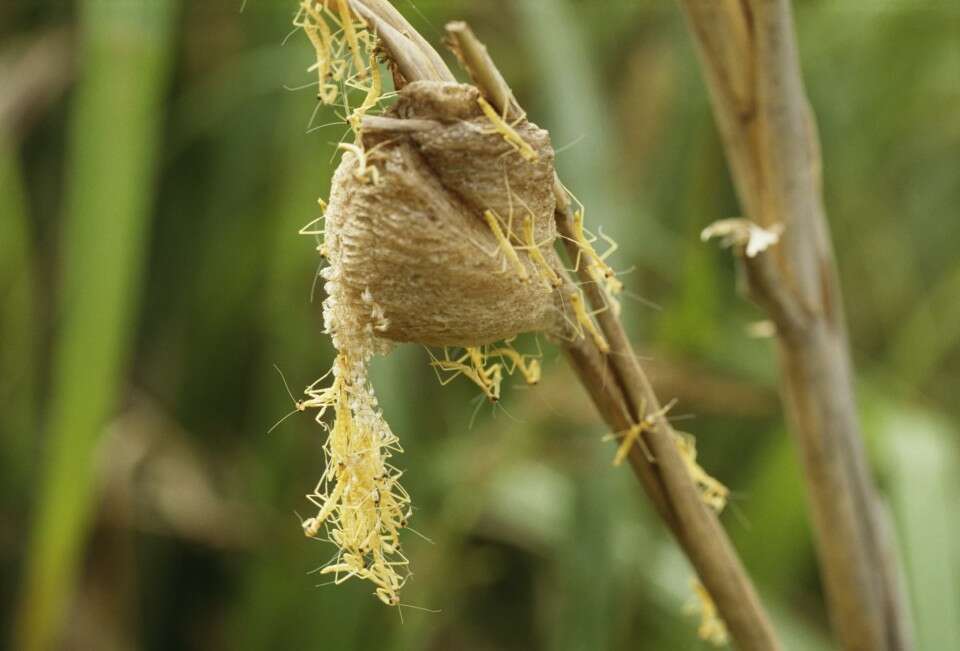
439 230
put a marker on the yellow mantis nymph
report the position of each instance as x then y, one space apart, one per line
364 172
372 97
350 33
712 492
712 628
550 277
493 221
529 368
488 378
632 436
585 323
600 272
509 134
319 35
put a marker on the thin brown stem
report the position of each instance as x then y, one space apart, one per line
408 50
695 526
619 387
615 381
476 60
750 62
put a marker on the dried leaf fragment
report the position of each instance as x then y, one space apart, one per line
741 232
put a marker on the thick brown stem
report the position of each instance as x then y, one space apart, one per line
749 57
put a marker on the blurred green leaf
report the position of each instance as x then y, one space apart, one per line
18 329
116 124
931 331
571 107
923 465
769 521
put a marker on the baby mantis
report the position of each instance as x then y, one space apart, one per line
712 628
586 247
597 266
632 435
584 322
372 97
488 378
350 33
339 58
712 492
364 172
318 32
525 243
493 221
529 368
474 365
550 276
311 526
509 134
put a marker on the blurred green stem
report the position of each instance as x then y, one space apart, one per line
34 77
930 332
17 326
569 84
113 150
921 455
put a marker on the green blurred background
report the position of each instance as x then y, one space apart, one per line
155 167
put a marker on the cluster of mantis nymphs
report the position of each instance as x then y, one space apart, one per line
361 506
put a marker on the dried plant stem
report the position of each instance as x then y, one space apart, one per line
618 386
749 57
412 54
615 381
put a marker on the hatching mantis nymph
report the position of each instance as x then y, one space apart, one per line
585 323
488 378
633 435
503 241
509 134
